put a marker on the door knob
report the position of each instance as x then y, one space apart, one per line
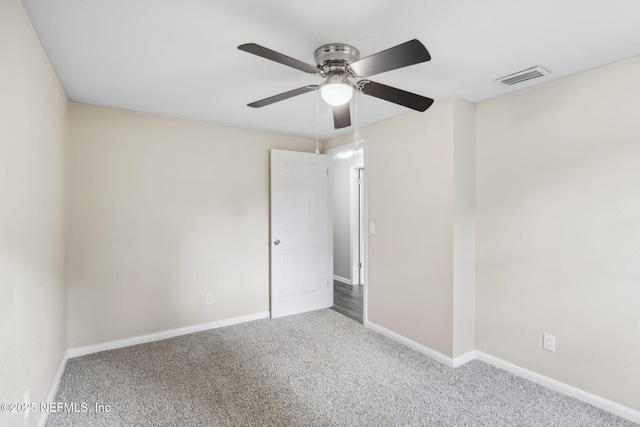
277 242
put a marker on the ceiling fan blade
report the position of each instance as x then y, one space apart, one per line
282 96
262 51
341 116
397 96
403 55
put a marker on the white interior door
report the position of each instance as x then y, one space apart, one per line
299 232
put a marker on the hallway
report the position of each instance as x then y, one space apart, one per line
348 300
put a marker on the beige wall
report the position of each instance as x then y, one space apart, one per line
32 160
410 179
558 231
163 211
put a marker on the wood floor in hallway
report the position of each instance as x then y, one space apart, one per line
348 300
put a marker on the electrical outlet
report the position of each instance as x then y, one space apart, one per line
549 342
209 298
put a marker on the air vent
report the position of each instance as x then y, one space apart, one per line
522 76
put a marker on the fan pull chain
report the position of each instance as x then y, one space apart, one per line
317 119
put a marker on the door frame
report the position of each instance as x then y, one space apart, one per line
357 228
359 144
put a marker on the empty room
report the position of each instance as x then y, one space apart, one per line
434 219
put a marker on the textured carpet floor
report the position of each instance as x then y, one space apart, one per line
314 369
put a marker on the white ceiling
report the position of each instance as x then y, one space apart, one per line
179 57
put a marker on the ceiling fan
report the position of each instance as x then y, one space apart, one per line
343 70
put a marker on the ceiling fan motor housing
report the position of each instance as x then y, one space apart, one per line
335 56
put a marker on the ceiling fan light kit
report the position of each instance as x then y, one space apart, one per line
341 67
336 91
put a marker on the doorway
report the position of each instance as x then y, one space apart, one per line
348 211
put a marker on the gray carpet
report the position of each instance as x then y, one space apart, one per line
314 369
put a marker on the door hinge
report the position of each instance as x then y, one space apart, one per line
359 265
327 171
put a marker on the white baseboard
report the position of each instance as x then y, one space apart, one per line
561 387
597 401
341 279
141 339
438 357
44 415
464 358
